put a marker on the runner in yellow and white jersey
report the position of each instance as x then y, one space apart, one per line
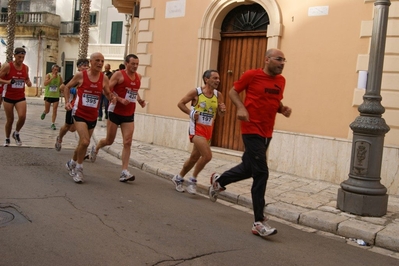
206 102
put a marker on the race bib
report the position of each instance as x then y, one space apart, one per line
111 107
205 119
131 96
19 84
53 88
90 100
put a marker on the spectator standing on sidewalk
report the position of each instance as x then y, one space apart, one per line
104 100
91 84
125 85
264 90
52 85
82 64
206 102
14 75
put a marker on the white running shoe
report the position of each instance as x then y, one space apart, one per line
17 139
7 143
192 186
58 144
70 165
215 188
78 177
178 181
93 154
126 176
263 228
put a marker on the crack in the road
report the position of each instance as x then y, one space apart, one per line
110 227
70 201
182 260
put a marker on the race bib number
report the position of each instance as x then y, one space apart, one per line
205 119
90 100
53 88
19 84
131 96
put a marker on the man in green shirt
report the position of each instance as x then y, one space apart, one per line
52 85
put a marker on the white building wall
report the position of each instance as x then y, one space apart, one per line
65 10
99 35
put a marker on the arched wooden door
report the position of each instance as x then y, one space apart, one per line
243 46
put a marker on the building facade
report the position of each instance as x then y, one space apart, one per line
326 44
37 30
107 33
49 31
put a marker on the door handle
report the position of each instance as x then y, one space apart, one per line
229 71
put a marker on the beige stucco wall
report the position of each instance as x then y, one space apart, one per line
173 48
321 71
324 56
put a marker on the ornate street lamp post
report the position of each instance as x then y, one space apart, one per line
128 20
362 193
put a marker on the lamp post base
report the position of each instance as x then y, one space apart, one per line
360 204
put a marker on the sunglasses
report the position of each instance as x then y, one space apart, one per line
21 52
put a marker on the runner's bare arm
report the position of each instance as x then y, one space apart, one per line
221 105
191 96
107 92
27 80
3 72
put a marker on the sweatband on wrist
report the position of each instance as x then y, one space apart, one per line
192 113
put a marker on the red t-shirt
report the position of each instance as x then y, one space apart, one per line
128 89
262 100
88 97
16 91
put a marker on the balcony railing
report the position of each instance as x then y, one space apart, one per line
33 18
70 28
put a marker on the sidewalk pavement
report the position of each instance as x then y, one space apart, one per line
304 203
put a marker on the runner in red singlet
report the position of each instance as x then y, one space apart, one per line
14 75
92 83
125 85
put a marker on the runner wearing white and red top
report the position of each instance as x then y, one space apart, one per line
91 84
206 102
14 75
125 85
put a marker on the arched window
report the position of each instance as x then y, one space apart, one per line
246 18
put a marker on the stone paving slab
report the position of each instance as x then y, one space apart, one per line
307 204
324 221
359 229
388 237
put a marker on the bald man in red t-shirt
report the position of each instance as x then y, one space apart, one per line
264 91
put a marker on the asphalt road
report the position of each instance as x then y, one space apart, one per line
145 222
